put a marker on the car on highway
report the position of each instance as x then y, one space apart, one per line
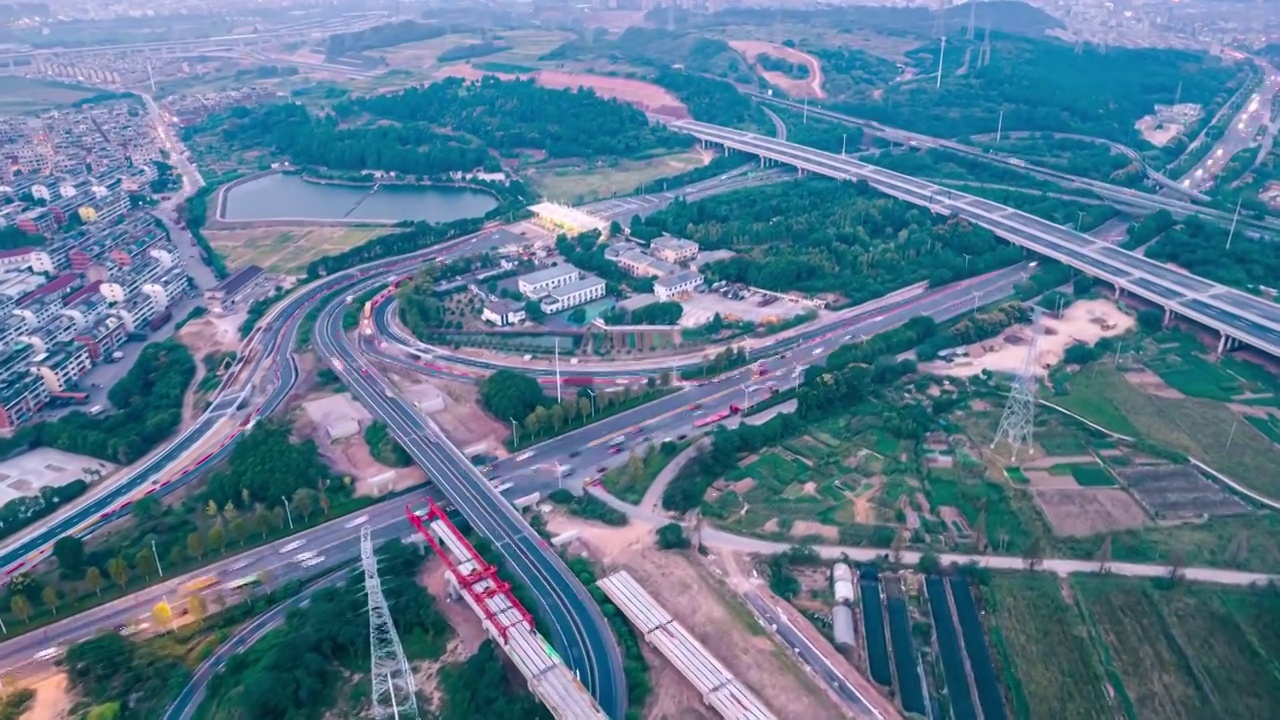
305 556
355 522
292 546
615 450
48 653
312 562
602 469
817 351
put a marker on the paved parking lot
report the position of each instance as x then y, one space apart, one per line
699 308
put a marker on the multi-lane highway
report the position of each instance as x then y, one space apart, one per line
577 627
1237 315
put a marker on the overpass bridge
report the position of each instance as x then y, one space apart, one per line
1237 316
1119 196
509 625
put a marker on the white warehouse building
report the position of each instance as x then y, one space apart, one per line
582 291
673 286
537 284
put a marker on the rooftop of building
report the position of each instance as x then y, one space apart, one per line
546 274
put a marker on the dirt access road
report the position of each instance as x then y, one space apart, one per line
810 87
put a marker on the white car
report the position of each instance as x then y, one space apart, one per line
304 556
817 351
311 562
242 564
292 546
48 653
354 522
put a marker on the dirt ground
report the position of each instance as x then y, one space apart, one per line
202 336
652 98
712 612
461 419
1158 135
52 701
1152 384
1082 321
470 631
801 528
811 87
1088 511
351 456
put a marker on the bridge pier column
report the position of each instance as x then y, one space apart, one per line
726 151
764 162
799 172
1224 343
1118 292
1168 317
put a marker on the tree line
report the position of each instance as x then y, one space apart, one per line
823 236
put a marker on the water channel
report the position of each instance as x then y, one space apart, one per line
280 196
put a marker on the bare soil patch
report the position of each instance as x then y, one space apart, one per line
351 456
1152 384
710 610
1081 512
461 418
470 631
810 87
1085 321
53 700
802 528
646 95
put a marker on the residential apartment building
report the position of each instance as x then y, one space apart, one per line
62 366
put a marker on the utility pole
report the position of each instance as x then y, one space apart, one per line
1234 218
942 53
1231 434
156 555
999 127
393 687
592 393
287 512
1079 219
844 141
558 396
804 119
515 431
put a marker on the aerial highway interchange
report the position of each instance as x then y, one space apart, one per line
579 630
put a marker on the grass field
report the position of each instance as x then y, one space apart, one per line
526 47
1043 650
22 95
1187 652
286 250
1199 428
629 482
579 185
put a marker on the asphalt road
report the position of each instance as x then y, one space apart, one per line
810 657
578 629
188 701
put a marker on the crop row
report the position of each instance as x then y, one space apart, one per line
949 649
910 689
873 625
975 645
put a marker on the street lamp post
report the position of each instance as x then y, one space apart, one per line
287 512
156 555
592 393
515 431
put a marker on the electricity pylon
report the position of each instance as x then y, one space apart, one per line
1017 424
394 695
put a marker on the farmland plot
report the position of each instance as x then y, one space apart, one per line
1152 669
1234 674
1044 649
975 645
910 689
873 624
953 668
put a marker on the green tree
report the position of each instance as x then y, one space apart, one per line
93 578
51 598
21 607
304 502
70 553
1151 320
671 537
195 545
118 569
146 508
145 563
218 538
508 394
239 530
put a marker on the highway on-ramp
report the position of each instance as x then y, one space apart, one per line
577 627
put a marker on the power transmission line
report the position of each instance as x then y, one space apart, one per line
394 695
